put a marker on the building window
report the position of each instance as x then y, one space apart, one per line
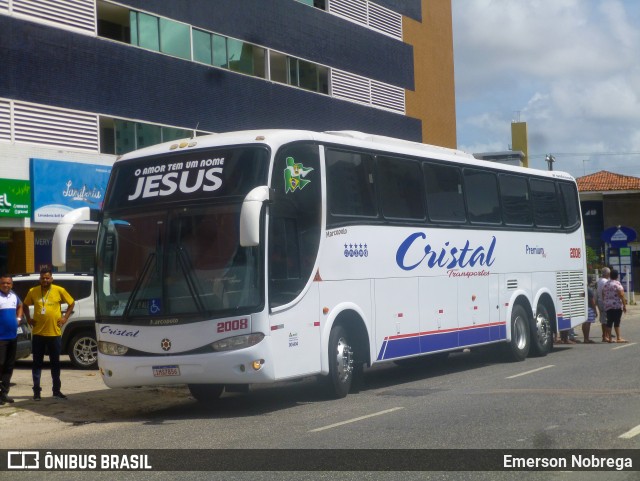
175 39
245 58
299 73
160 34
121 136
209 48
321 4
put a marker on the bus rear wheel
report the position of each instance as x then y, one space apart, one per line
518 348
541 333
206 392
340 363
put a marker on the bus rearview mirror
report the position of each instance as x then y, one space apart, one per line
250 216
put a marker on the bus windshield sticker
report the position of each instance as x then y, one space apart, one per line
293 174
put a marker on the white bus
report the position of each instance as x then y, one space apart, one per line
261 256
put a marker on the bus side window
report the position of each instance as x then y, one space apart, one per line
483 205
546 210
571 211
516 202
445 200
400 186
350 184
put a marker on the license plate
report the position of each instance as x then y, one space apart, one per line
161 371
20 331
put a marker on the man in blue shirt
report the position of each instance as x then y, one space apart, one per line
10 313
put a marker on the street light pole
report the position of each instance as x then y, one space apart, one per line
550 159
584 172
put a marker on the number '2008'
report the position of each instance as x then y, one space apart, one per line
234 325
575 253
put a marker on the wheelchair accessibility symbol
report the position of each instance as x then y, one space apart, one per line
155 306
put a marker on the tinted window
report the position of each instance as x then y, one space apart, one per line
546 209
571 205
350 188
400 186
483 205
76 288
295 221
445 202
516 208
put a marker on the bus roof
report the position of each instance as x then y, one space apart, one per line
277 137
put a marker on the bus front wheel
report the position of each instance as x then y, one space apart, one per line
340 363
518 347
206 392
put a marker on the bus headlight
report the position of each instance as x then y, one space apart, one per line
112 349
237 342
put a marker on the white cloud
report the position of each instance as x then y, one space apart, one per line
569 67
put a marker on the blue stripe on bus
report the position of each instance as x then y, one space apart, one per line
409 345
563 323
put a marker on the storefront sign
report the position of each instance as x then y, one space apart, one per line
619 236
15 198
59 187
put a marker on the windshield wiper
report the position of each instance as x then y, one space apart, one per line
136 287
186 266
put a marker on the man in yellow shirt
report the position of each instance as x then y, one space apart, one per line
47 322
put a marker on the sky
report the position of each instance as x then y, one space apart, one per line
570 69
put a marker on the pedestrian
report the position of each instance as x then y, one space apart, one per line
10 315
604 278
591 311
47 321
615 304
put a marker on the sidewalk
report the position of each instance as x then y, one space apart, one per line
26 421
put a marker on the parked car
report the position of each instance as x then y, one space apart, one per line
79 333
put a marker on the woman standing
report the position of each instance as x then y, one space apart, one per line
615 304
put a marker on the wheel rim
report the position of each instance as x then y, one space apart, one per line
85 351
519 334
344 360
543 328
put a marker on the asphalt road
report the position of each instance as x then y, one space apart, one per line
578 397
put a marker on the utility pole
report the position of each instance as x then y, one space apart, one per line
550 159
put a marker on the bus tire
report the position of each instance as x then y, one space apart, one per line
341 361
205 393
518 346
541 333
83 350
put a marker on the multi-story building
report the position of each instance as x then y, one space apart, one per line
83 81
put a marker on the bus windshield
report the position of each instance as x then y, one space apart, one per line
185 261
179 257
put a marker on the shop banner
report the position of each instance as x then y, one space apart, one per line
59 187
15 198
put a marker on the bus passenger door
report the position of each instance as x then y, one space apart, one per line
397 318
294 228
438 314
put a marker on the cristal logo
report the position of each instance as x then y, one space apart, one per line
167 184
447 256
